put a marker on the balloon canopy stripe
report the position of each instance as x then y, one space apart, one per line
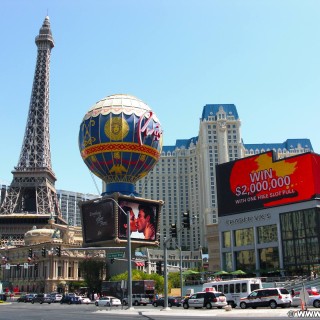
120 147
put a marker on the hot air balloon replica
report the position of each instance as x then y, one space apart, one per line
120 141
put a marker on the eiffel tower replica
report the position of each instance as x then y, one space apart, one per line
31 199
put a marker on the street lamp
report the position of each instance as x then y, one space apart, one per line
129 254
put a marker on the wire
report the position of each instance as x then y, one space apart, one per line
95 183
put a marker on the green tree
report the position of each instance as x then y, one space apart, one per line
140 275
92 271
174 279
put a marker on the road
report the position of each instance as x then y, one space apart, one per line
54 311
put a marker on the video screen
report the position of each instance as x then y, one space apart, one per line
144 216
98 221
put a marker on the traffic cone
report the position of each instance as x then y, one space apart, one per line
302 305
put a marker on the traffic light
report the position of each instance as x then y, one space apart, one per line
112 260
43 252
173 230
30 253
58 251
159 267
146 264
36 267
186 220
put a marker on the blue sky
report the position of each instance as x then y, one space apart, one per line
175 55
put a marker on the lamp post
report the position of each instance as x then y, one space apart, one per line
128 253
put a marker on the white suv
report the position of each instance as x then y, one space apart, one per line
137 299
268 297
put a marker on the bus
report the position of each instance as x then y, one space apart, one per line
234 289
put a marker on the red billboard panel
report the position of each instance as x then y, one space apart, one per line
261 181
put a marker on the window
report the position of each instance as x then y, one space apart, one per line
243 237
267 234
226 239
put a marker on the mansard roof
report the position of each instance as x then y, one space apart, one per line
287 144
181 144
211 110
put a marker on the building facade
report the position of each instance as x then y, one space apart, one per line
185 177
269 215
37 266
69 205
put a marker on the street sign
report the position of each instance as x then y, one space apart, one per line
124 284
115 255
25 265
7 266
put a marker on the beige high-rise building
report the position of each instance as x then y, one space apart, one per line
184 178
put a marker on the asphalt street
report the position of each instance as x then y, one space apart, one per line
26 311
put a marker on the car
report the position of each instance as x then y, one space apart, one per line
42 298
172 301
108 301
137 300
3 297
56 297
22 298
314 299
85 300
267 297
26 297
207 299
70 300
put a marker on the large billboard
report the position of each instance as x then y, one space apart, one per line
261 181
98 221
143 219
104 220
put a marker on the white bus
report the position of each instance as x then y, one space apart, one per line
234 289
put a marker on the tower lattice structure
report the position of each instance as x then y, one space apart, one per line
32 191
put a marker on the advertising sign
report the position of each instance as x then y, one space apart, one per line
144 218
261 181
98 221
104 220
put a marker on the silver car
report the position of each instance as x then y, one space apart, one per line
108 301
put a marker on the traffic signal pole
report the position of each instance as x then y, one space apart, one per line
174 231
165 273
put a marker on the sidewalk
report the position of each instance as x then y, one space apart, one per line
180 312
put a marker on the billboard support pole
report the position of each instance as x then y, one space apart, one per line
129 255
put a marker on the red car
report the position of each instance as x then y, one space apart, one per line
311 292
